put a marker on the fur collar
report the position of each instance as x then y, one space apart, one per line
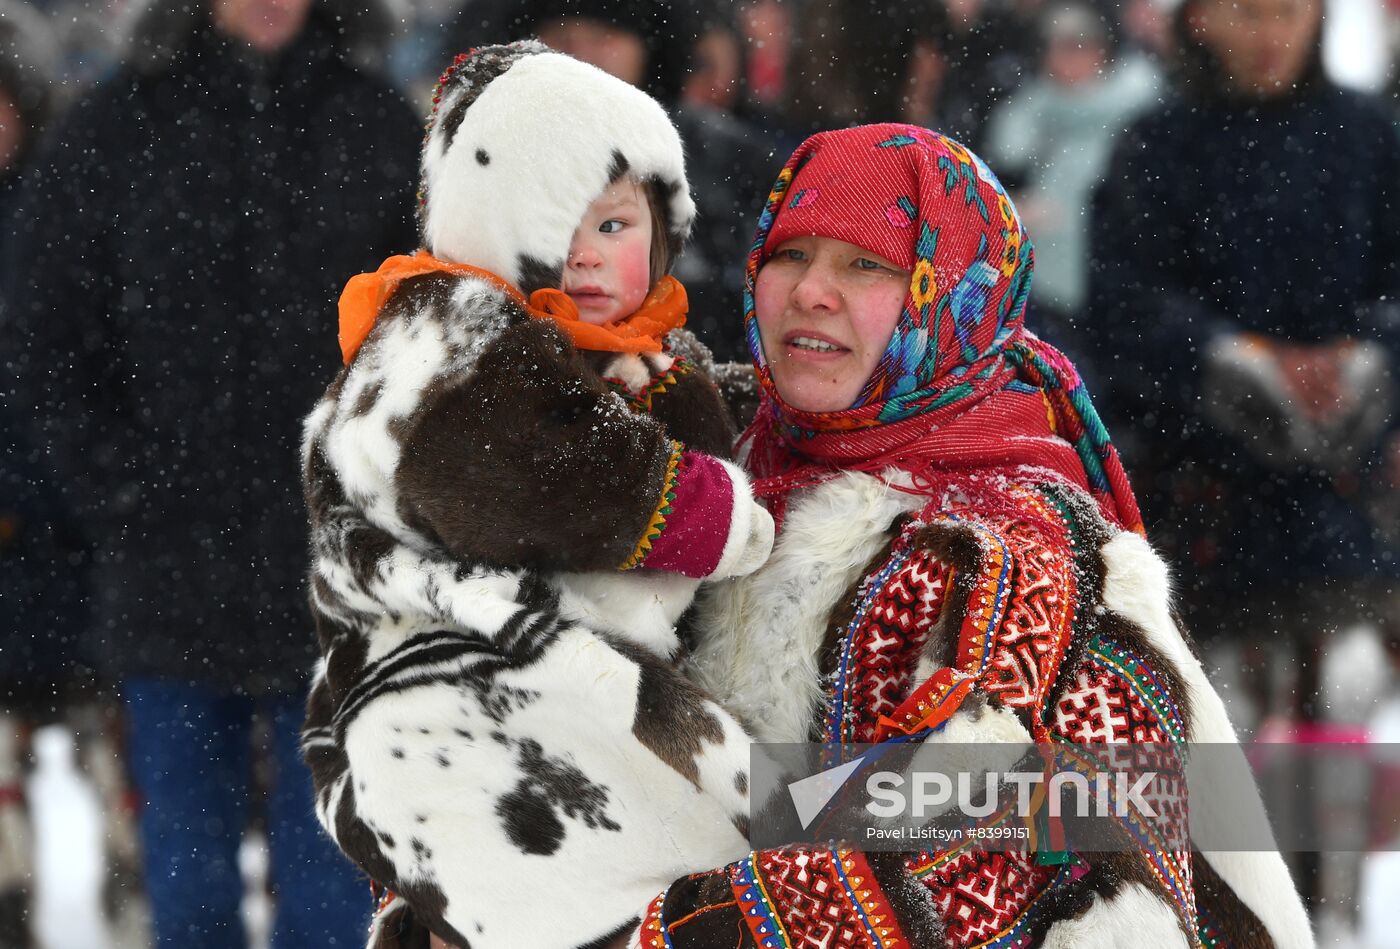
760 652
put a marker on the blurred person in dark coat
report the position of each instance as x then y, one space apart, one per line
654 44
42 589
180 244
1246 291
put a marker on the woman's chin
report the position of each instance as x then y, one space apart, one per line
812 399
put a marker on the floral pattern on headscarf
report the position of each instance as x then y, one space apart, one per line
935 207
927 203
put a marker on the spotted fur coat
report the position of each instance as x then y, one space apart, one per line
497 731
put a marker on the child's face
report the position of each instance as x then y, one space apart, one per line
608 272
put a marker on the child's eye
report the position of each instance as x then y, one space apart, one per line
790 253
865 263
611 226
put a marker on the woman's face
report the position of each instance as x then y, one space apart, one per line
826 311
1262 45
266 25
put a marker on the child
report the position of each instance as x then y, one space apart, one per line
507 522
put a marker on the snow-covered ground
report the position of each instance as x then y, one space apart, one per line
69 854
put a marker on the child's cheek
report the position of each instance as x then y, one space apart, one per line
634 272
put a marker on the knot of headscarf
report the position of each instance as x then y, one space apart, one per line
662 310
961 384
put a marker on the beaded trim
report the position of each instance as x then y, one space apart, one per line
663 509
757 906
662 381
441 84
641 401
655 933
874 910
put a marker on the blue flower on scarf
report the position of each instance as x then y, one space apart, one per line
909 351
969 301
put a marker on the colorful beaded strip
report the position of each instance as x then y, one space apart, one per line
757 906
841 726
663 509
875 910
641 401
662 381
655 933
442 83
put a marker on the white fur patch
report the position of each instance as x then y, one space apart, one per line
1137 587
760 653
1134 917
989 724
640 606
750 539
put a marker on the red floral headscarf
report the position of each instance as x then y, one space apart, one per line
962 385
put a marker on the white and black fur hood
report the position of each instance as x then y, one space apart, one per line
521 141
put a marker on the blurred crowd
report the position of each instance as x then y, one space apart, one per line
1212 186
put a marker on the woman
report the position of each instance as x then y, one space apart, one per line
959 559
956 533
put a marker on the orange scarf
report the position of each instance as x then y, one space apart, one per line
662 311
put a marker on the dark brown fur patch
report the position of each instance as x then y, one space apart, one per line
1219 905
618 167
538 466
674 720
536 274
957 547
911 901
367 399
738 386
694 414
702 913
403 931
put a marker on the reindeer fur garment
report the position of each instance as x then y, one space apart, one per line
766 656
497 712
